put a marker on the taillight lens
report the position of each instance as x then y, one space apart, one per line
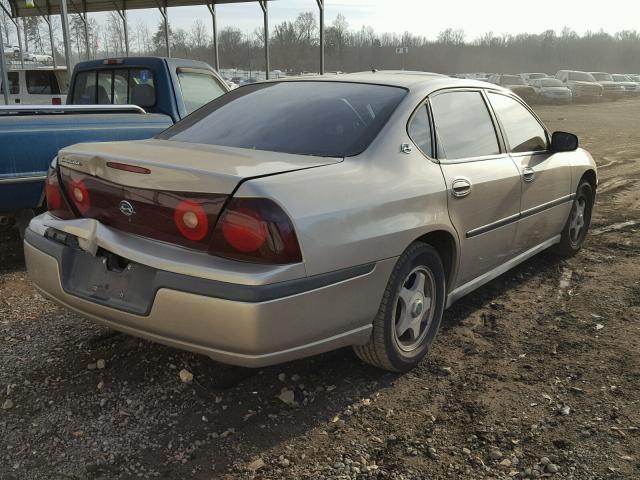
79 195
255 230
191 220
56 101
56 202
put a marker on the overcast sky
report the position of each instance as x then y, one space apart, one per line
427 17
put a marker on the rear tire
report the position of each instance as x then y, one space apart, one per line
575 230
410 312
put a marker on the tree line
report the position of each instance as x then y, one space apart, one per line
294 46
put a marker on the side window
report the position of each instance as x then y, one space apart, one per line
524 133
42 82
198 89
463 125
14 84
420 131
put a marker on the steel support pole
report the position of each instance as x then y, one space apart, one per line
17 24
265 14
53 47
216 60
163 12
64 17
85 22
321 12
3 67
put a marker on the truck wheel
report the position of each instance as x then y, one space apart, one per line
410 312
575 230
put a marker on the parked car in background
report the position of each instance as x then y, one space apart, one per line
582 84
634 77
516 84
631 88
226 233
37 85
530 77
611 89
551 90
113 99
38 58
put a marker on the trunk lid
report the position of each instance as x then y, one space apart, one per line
147 187
183 167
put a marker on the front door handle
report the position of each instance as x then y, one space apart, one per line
528 174
461 187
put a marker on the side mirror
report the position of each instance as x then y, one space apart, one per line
564 142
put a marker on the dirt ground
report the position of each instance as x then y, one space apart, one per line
535 374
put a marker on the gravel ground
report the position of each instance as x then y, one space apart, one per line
537 374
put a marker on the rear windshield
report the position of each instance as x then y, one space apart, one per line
620 78
118 86
512 80
581 77
551 82
42 82
330 119
602 77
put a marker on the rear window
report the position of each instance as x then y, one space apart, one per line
551 82
332 119
602 77
198 89
620 78
581 77
512 80
42 82
118 86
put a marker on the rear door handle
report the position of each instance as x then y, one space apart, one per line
461 187
528 174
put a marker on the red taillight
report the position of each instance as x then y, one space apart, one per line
191 220
56 101
244 230
255 230
79 195
56 203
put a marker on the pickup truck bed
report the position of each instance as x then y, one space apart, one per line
26 140
156 93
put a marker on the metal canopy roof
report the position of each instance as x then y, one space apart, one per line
52 7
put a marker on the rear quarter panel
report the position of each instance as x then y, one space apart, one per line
367 208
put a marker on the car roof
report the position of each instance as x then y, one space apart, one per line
398 78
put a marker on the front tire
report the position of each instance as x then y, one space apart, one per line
575 230
410 312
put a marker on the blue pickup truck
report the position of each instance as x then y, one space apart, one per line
113 99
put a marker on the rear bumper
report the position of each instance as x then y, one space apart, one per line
264 325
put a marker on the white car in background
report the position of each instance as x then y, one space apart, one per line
630 87
530 77
551 90
37 86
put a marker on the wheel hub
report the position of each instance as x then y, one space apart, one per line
417 306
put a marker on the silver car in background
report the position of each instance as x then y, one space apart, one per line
289 218
551 90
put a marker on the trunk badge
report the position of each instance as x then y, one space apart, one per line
126 208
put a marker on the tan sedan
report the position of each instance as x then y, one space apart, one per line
289 218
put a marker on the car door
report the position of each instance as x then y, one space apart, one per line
546 176
482 181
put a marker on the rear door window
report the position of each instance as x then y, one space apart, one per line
198 89
42 82
322 118
14 83
463 125
524 133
